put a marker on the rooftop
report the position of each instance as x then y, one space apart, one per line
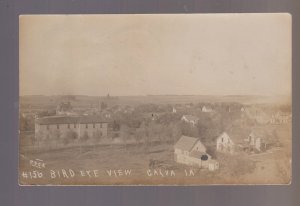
186 143
71 119
236 136
198 154
191 117
239 134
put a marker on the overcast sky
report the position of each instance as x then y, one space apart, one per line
155 54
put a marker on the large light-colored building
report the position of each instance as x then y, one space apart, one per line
53 126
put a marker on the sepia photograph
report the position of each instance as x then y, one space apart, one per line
155 99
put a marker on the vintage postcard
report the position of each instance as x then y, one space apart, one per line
156 99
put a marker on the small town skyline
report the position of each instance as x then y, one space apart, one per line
155 99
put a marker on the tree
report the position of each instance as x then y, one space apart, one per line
176 133
39 136
164 132
103 106
56 134
140 134
161 132
84 137
23 123
125 134
143 134
151 131
26 123
115 126
189 130
69 137
97 135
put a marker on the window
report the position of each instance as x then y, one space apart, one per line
100 125
94 125
68 126
222 139
74 125
47 127
86 126
57 126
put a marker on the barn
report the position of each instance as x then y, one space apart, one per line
190 151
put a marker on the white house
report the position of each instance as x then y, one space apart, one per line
106 114
190 119
256 142
174 110
206 109
225 143
190 151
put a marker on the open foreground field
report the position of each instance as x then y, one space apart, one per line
141 135
119 165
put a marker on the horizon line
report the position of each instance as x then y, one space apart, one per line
145 95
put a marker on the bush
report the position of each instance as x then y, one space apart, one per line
84 137
70 136
97 135
40 135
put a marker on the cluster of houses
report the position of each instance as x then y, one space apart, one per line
187 150
235 143
280 118
191 151
260 117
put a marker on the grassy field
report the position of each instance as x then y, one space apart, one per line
119 164
107 165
